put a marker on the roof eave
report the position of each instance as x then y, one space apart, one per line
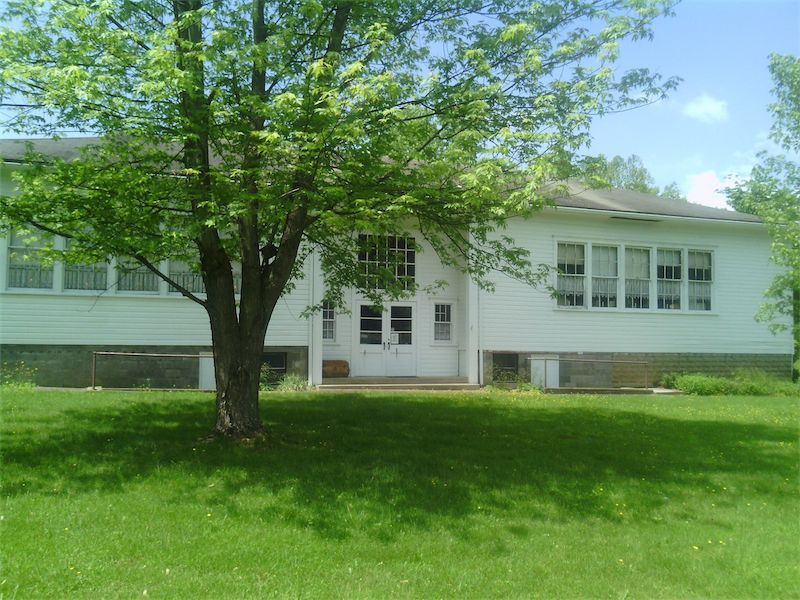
641 216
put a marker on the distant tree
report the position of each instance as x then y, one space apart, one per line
243 134
627 174
773 193
671 192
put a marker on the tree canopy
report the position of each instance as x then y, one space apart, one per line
773 193
242 135
627 174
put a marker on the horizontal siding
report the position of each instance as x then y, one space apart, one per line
50 318
518 318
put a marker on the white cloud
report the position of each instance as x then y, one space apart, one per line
705 188
707 109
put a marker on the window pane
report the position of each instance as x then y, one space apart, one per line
25 266
184 276
441 332
668 272
637 278
328 321
86 277
133 277
571 267
604 276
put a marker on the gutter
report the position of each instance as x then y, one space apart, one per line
644 216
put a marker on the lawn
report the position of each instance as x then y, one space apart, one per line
401 495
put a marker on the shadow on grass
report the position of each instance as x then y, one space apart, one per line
339 463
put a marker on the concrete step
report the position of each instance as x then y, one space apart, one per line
397 387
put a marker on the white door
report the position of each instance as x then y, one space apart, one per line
386 341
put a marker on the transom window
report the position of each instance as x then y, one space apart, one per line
328 321
26 269
382 257
442 322
571 269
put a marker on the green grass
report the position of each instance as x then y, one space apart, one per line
401 495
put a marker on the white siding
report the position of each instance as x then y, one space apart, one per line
53 317
518 318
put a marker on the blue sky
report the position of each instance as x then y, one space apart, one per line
712 127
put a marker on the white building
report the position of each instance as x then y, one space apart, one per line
642 279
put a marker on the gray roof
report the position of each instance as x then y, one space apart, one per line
570 196
626 202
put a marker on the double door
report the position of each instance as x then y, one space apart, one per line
386 340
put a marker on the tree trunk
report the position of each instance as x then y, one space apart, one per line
237 371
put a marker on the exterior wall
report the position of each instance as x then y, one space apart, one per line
71 365
517 318
55 330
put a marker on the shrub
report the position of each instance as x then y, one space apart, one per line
268 378
17 376
749 382
293 383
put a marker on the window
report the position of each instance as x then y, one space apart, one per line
328 322
382 256
571 278
637 278
401 324
699 272
181 274
25 266
442 322
668 274
370 325
604 276
133 277
85 276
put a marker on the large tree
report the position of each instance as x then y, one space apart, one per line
252 132
773 193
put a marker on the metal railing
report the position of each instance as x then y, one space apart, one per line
147 354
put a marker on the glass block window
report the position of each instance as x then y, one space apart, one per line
133 277
571 282
328 322
181 274
443 322
699 272
668 274
25 266
382 256
637 278
604 276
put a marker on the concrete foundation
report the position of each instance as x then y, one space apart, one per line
586 369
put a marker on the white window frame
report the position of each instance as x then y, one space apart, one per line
622 276
32 251
453 308
330 308
585 277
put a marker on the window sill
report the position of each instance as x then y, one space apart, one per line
634 311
